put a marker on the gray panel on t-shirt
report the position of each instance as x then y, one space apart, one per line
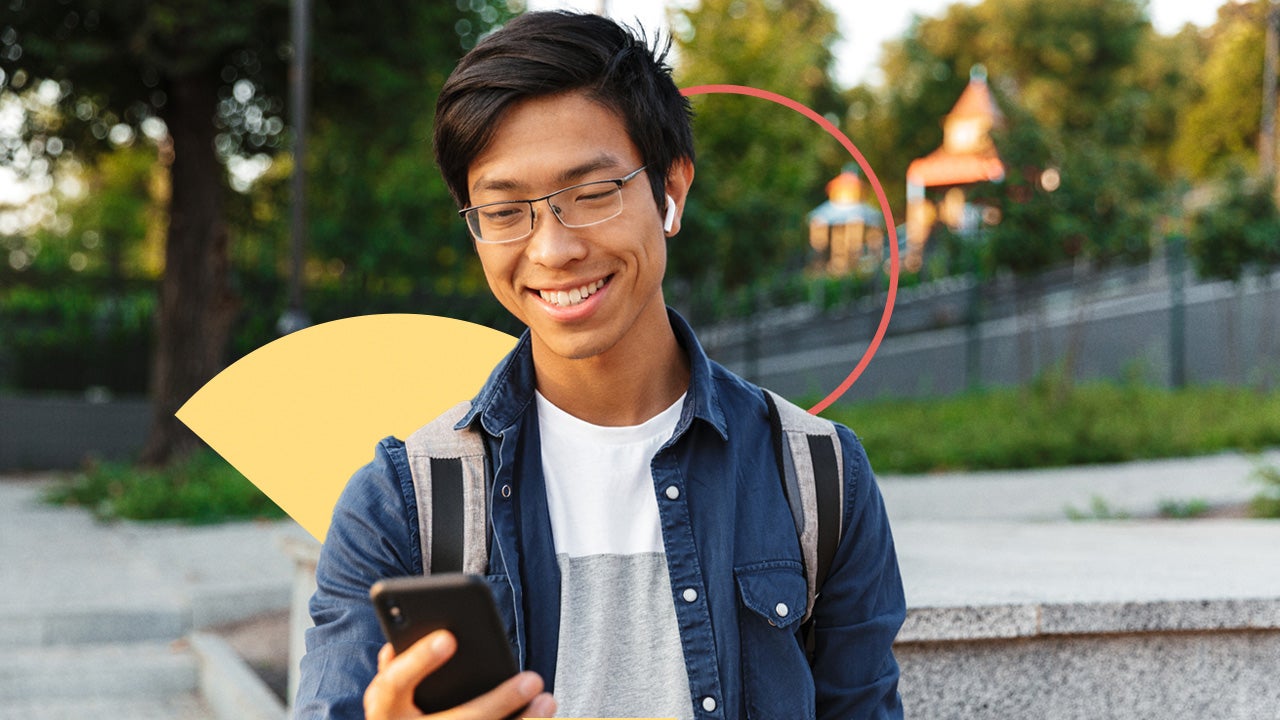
619 653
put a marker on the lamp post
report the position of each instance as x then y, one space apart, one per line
295 316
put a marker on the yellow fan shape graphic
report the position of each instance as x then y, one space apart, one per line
299 415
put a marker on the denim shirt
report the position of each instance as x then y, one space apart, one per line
728 534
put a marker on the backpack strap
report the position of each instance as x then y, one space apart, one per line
451 487
810 464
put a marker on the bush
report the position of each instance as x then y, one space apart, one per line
202 489
76 336
1046 425
1266 504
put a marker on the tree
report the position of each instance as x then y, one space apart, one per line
1062 74
761 166
1221 128
125 61
214 74
1239 232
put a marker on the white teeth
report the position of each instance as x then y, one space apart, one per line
561 298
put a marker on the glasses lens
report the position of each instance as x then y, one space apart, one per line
502 222
589 204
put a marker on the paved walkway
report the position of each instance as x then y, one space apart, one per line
1005 537
92 615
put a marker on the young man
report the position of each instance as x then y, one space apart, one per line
643 554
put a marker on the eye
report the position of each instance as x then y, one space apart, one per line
597 194
502 215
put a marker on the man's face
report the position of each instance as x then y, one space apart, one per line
580 290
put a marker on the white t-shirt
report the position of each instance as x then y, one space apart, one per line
619 648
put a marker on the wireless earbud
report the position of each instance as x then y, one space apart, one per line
670 219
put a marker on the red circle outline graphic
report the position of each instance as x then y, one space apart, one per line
892 295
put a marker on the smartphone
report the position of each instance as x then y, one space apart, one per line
410 608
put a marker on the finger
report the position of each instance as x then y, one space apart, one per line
385 654
543 706
507 698
403 672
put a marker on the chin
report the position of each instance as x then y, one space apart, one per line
569 347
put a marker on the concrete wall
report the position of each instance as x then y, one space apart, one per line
41 433
1158 676
1166 675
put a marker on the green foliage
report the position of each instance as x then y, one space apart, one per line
1065 58
1266 504
1161 86
80 335
1220 128
380 210
761 167
203 488
1099 509
120 61
1240 232
1087 89
1183 509
1048 425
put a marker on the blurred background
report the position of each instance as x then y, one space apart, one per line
1083 195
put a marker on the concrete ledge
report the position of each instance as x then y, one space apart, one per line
996 622
233 602
230 687
1139 676
140 669
1132 620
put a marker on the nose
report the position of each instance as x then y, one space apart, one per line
552 244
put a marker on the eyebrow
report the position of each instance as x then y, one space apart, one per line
568 176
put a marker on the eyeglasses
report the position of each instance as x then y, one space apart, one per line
576 206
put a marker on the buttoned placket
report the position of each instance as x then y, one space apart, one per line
693 615
502 515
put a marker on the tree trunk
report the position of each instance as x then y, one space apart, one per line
197 306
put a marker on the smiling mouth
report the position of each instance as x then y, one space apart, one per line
569 298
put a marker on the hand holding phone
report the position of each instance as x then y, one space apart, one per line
469 665
390 694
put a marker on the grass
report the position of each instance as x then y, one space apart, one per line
1040 426
201 489
1046 425
1099 509
1266 504
1183 509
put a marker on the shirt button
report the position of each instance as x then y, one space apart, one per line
690 595
782 610
506 491
673 492
709 704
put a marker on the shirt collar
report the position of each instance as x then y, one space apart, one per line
509 390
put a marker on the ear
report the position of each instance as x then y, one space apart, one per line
679 180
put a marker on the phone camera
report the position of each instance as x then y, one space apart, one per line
397 616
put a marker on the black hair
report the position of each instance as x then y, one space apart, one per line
545 53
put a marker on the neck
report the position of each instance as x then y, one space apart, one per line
639 377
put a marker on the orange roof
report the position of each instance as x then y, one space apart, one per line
976 101
942 168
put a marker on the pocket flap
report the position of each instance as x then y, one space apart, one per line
775 591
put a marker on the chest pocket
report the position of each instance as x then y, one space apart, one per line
776 682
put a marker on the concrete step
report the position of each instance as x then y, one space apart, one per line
48 625
178 707
151 671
